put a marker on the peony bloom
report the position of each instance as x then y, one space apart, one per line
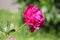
33 17
11 39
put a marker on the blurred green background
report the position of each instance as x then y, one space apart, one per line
11 21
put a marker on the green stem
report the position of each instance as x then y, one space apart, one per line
16 31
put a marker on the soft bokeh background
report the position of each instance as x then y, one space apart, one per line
11 19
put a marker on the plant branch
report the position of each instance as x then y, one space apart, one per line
16 31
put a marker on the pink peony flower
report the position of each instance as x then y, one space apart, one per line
11 39
33 17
